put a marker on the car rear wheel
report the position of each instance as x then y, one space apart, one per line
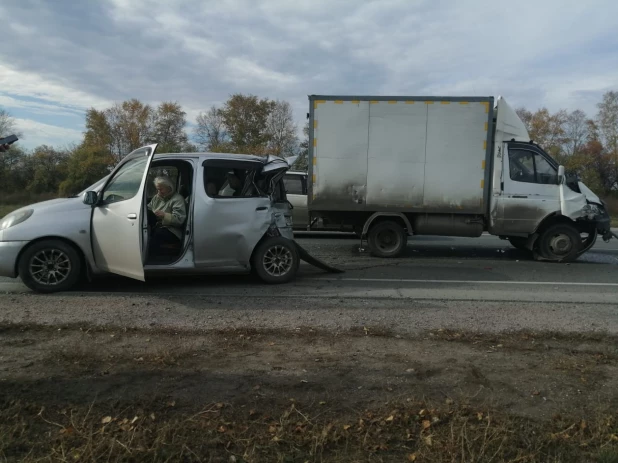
276 261
50 266
387 239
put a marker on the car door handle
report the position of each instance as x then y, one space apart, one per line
132 216
263 208
519 197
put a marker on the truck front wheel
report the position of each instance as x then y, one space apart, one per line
560 242
387 239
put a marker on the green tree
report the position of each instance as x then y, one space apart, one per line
85 165
49 168
168 128
246 120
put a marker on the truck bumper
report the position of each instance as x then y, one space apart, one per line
9 251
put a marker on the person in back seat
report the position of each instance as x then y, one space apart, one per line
168 211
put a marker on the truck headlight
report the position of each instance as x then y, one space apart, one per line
15 217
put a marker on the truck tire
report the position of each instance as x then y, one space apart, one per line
50 266
560 242
387 239
276 261
519 243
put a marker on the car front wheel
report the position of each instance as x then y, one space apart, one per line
50 266
276 261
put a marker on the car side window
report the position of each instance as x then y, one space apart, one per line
221 182
529 167
126 182
293 184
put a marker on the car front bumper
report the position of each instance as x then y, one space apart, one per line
9 251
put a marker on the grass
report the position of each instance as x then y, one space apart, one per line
406 431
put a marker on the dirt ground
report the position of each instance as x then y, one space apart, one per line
79 393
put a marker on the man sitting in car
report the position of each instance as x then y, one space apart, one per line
167 213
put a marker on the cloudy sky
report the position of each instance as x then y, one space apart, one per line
60 57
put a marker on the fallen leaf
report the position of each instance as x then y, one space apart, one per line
322 403
426 424
219 405
141 359
107 419
135 418
583 425
449 401
171 403
479 416
272 429
222 429
412 457
536 393
428 441
152 416
346 427
390 418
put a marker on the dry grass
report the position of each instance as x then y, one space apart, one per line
409 431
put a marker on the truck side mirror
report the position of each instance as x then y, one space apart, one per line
91 198
560 175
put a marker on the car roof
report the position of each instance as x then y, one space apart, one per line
209 155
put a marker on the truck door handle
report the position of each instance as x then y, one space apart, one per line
132 216
262 208
520 197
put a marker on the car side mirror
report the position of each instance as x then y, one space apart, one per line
560 175
91 198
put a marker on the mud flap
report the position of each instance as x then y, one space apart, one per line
304 255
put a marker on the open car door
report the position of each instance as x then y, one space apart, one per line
119 241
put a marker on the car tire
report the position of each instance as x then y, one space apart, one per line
387 239
560 243
519 243
276 261
50 266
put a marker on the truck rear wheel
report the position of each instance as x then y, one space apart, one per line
387 239
561 242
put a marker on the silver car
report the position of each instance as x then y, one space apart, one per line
53 244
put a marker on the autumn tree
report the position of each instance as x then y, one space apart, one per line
246 121
281 130
546 129
302 163
168 128
8 125
210 131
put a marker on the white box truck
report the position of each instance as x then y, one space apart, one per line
390 167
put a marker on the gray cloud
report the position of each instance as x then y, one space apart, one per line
198 52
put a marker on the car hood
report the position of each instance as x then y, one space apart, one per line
56 205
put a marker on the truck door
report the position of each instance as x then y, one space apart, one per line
530 190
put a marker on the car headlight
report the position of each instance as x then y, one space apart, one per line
15 217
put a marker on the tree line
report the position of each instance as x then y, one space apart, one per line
587 145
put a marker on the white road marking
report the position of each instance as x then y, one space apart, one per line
477 282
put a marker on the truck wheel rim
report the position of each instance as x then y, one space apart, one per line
278 261
560 244
388 240
50 267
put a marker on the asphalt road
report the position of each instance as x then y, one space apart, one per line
442 268
478 284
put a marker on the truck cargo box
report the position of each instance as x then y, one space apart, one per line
408 154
